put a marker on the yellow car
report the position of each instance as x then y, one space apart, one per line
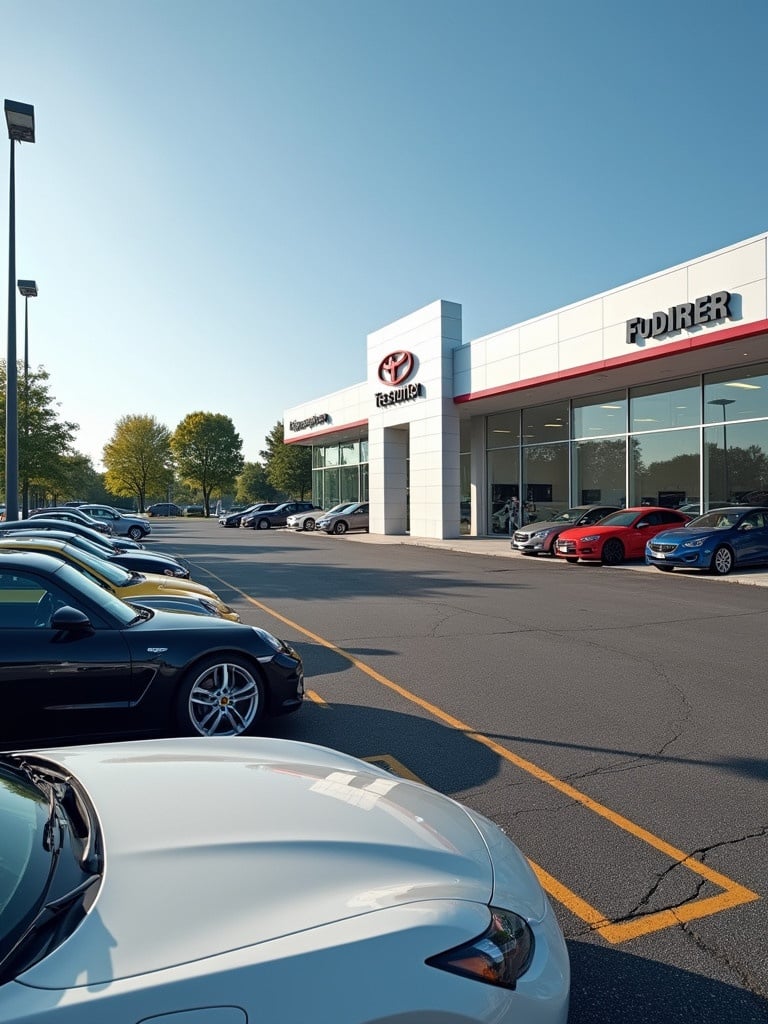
123 583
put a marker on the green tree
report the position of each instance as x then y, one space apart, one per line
44 439
288 466
253 486
138 458
208 452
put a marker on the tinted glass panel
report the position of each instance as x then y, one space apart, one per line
545 423
736 395
659 406
664 468
601 416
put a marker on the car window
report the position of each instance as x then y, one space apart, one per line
670 517
26 602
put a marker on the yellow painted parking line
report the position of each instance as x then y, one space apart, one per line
732 895
316 698
393 765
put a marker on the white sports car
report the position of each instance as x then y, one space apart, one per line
222 881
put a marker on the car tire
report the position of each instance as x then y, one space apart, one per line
220 696
665 568
263 524
722 561
135 532
308 524
573 561
340 527
613 552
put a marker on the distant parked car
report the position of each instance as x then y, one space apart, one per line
718 541
235 516
193 510
73 515
307 520
164 508
38 523
277 516
351 517
539 538
122 525
619 536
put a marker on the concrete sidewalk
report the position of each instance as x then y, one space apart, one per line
499 547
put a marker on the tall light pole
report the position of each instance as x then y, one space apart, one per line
724 403
29 290
20 118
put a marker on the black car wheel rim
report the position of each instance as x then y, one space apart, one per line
223 701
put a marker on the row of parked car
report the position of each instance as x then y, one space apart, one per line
94 645
300 515
717 541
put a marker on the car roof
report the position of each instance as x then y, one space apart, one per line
28 559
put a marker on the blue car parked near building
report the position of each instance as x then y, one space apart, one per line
718 541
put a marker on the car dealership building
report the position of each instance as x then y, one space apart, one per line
655 392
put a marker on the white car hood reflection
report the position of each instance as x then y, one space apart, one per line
212 845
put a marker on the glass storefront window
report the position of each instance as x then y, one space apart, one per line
349 454
465 493
664 468
545 482
599 471
660 406
332 455
350 484
545 423
736 464
600 416
503 483
318 457
736 394
503 430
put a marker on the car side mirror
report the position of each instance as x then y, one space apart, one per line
642 523
71 620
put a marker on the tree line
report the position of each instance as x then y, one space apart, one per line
200 461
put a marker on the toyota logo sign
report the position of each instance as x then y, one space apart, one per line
395 368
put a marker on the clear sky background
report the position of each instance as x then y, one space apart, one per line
226 196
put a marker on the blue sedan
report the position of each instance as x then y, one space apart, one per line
716 541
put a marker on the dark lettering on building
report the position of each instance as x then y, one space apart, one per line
311 421
404 394
706 310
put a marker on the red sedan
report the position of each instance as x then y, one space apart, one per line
620 535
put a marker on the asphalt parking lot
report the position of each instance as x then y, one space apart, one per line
610 719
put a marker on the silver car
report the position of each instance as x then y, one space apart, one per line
539 538
351 517
308 520
122 525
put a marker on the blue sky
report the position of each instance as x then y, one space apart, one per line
226 197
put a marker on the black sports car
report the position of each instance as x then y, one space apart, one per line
78 663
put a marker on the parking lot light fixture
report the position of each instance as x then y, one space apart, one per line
20 118
29 290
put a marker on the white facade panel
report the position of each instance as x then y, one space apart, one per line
537 334
585 318
585 348
645 297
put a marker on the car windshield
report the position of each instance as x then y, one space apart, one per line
722 520
571 515
81 583
623 518
25 862
109 571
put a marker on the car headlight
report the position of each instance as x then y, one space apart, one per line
592 537
177 571
210 607
268 638
498 957
541 534
694 543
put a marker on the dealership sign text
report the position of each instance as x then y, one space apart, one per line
705 310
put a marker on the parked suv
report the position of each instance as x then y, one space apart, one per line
277 516
122 525
235 517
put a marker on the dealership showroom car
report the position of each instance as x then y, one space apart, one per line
78 662
123 583
265 519
297 884
618 536
351 517
122 525
307 520
539 538
718 541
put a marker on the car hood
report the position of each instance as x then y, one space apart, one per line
682 534
244 840
156 583
577 532
535 527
